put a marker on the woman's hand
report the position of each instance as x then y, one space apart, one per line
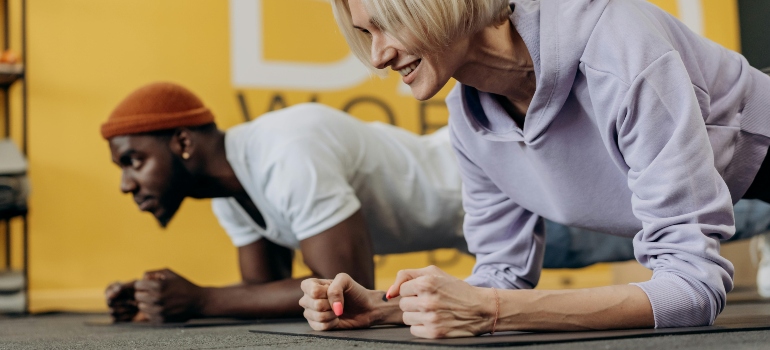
344 304
438 305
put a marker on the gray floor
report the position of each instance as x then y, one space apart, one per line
68 331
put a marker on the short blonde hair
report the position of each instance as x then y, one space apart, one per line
421 25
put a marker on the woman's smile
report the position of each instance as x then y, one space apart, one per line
408 71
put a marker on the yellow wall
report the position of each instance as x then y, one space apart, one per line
85 55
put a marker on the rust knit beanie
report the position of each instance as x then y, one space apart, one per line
155 107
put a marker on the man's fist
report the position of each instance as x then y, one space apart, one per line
164 296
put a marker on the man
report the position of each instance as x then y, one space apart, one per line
306 177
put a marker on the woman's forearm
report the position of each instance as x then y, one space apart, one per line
612 307
387 311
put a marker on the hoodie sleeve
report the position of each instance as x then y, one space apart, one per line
678 195
506 238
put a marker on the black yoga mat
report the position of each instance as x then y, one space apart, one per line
202 322
741 317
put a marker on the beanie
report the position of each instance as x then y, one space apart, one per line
154 107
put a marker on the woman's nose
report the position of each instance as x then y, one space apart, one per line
382 52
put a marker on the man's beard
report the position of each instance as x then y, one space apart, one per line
181 179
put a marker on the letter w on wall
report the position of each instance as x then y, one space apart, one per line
251 70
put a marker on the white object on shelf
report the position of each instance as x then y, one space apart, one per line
14 184
11 68
11 282
12 303
12 162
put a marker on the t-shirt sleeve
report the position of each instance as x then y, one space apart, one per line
682 201
508 240
237 226
308 185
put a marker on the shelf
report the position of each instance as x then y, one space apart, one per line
12 213
13 162
10 73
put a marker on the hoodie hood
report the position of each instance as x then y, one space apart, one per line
556 33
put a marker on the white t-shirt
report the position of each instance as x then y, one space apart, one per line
309 167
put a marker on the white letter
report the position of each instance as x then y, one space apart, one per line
691 13
250 69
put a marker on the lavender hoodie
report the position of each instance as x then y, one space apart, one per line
638 127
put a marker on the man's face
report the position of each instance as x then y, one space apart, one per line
151 173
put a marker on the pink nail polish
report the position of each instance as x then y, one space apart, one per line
337 307
387 295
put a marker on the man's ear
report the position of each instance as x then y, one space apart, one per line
182 143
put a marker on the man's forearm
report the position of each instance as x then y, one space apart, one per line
268 300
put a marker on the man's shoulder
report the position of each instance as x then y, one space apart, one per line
302 116
303 123
302 135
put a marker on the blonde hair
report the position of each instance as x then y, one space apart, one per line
421 25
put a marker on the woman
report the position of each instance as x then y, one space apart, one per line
606 115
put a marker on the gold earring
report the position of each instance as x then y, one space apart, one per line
185 155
